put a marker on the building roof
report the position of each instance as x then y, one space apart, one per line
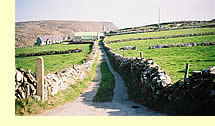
85 34
51 37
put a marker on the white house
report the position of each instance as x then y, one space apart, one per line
101 35
49 39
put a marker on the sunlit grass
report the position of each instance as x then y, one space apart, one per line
161 33
173 60
53 63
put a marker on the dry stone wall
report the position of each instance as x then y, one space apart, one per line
49 53
128 48
53 82
25 84
163 37
156 29
181 45
153 85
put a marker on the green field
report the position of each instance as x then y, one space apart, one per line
173 60
55 47
160 34
53 63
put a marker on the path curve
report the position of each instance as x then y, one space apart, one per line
120 105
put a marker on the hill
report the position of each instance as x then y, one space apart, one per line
27 32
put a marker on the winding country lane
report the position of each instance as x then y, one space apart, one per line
120 105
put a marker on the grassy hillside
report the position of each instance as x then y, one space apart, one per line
27 32
173 60
53 63
161 33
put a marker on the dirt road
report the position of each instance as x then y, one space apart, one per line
120 105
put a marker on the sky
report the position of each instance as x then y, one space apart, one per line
123 13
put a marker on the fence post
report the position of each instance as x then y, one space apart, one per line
141 54
123 53
40 77
186 70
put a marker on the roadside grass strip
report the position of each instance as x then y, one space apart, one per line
106 87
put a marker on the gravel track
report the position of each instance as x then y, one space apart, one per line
120 105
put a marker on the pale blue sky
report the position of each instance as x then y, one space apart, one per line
123 13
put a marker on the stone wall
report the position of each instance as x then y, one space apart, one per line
49 53
82 42
163 37
128 48
156 29
25 84
181 45
150 85
53 82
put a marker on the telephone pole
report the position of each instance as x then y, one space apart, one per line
158 18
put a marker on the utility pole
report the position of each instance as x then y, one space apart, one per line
158 18
103 28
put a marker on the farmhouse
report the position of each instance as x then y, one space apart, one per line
85 36
49 39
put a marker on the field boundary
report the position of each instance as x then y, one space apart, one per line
162 37
149 85
49 53
157 30
192 44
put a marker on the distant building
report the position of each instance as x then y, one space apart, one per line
101 36
85 36
67 38
49 39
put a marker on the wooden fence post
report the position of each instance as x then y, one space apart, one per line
186 71
40 77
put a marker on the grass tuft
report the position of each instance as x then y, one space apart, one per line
106 87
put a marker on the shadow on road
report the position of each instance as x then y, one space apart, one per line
118 107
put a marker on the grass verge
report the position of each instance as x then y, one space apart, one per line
30 106
106 87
